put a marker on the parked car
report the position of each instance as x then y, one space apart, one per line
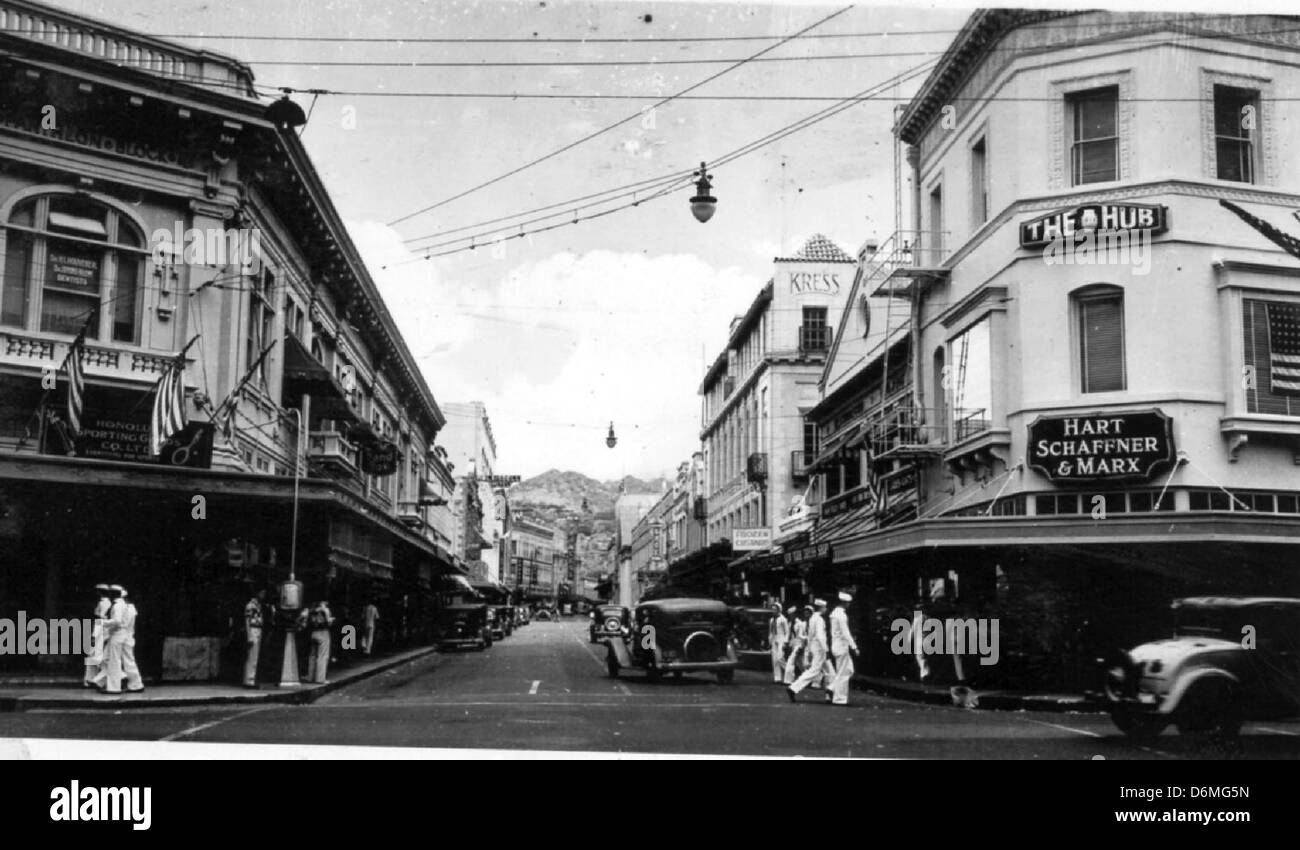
676 636
498 597
608 621
752 627
521 615
545 614
1231 658
464 625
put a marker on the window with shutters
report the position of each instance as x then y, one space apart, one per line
1101 339
1271 339
1094 138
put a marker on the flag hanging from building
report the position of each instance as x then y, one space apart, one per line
168 406
1284 347
76 382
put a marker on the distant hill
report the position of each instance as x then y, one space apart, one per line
555 494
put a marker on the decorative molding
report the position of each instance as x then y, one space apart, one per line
1266 158
1058 91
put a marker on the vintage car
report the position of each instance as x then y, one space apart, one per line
464 625
1231 658
497 596
521 616
608 621
547 614
752 627
676 636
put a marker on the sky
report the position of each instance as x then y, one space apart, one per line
604 321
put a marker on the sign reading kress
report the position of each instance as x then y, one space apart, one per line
1095 446
1093 218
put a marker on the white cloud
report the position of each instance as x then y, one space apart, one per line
562 346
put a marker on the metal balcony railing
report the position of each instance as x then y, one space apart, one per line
967 423
907 431
814 338
903 249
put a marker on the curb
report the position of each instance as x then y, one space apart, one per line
298 696
988 700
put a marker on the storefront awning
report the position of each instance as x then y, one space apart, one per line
305 375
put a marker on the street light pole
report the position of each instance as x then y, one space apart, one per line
289 677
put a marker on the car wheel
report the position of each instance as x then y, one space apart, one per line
1210 710
726 676
1139 727
611 664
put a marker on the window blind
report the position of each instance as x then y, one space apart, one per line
1102 342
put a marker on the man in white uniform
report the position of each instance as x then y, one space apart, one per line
109 679
798 640
134 684
816 652
778 635
843 650
369 617
95 658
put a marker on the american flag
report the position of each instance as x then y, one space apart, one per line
1284 347
168 406
76 382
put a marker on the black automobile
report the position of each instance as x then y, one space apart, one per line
608 621
464 625
503 620
676 636
753 625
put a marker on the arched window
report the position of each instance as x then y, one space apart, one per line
70 262
1100 311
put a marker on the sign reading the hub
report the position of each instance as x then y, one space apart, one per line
1068 225
750 539
1101 445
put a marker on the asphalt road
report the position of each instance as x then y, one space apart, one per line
545 688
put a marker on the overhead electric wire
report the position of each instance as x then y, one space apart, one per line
1184 17
616 124
744 150
569 63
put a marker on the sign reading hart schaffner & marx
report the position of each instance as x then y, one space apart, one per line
1090 446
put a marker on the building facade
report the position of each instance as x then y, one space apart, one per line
537 555
157 219
1091 408
480 501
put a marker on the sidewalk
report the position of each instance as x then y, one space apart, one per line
47 692
971 698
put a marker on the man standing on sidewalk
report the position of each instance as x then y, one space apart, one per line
95 659
843 649
369 617
253 631
319 621
816 652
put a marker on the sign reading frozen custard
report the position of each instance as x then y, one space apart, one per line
1093 219
1101 445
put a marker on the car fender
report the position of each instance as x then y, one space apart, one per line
1180 688
619 648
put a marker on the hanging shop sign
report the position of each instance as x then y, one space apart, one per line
379 457
1095 446
750 539
1070 225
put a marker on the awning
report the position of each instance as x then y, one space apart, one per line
846 524
305 375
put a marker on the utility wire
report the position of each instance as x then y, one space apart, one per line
616 124
671 182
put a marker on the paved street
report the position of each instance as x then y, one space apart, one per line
545 688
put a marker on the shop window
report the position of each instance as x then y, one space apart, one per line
1094 141
1271 337
1101 339
1236 117
68 261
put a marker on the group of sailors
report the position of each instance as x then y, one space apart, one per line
112 655
806 651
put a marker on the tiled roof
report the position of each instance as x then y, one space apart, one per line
822 250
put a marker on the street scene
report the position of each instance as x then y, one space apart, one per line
610 379
546 690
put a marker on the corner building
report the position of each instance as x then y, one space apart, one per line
1080 436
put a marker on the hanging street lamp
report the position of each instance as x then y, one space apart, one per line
611 440
703 204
